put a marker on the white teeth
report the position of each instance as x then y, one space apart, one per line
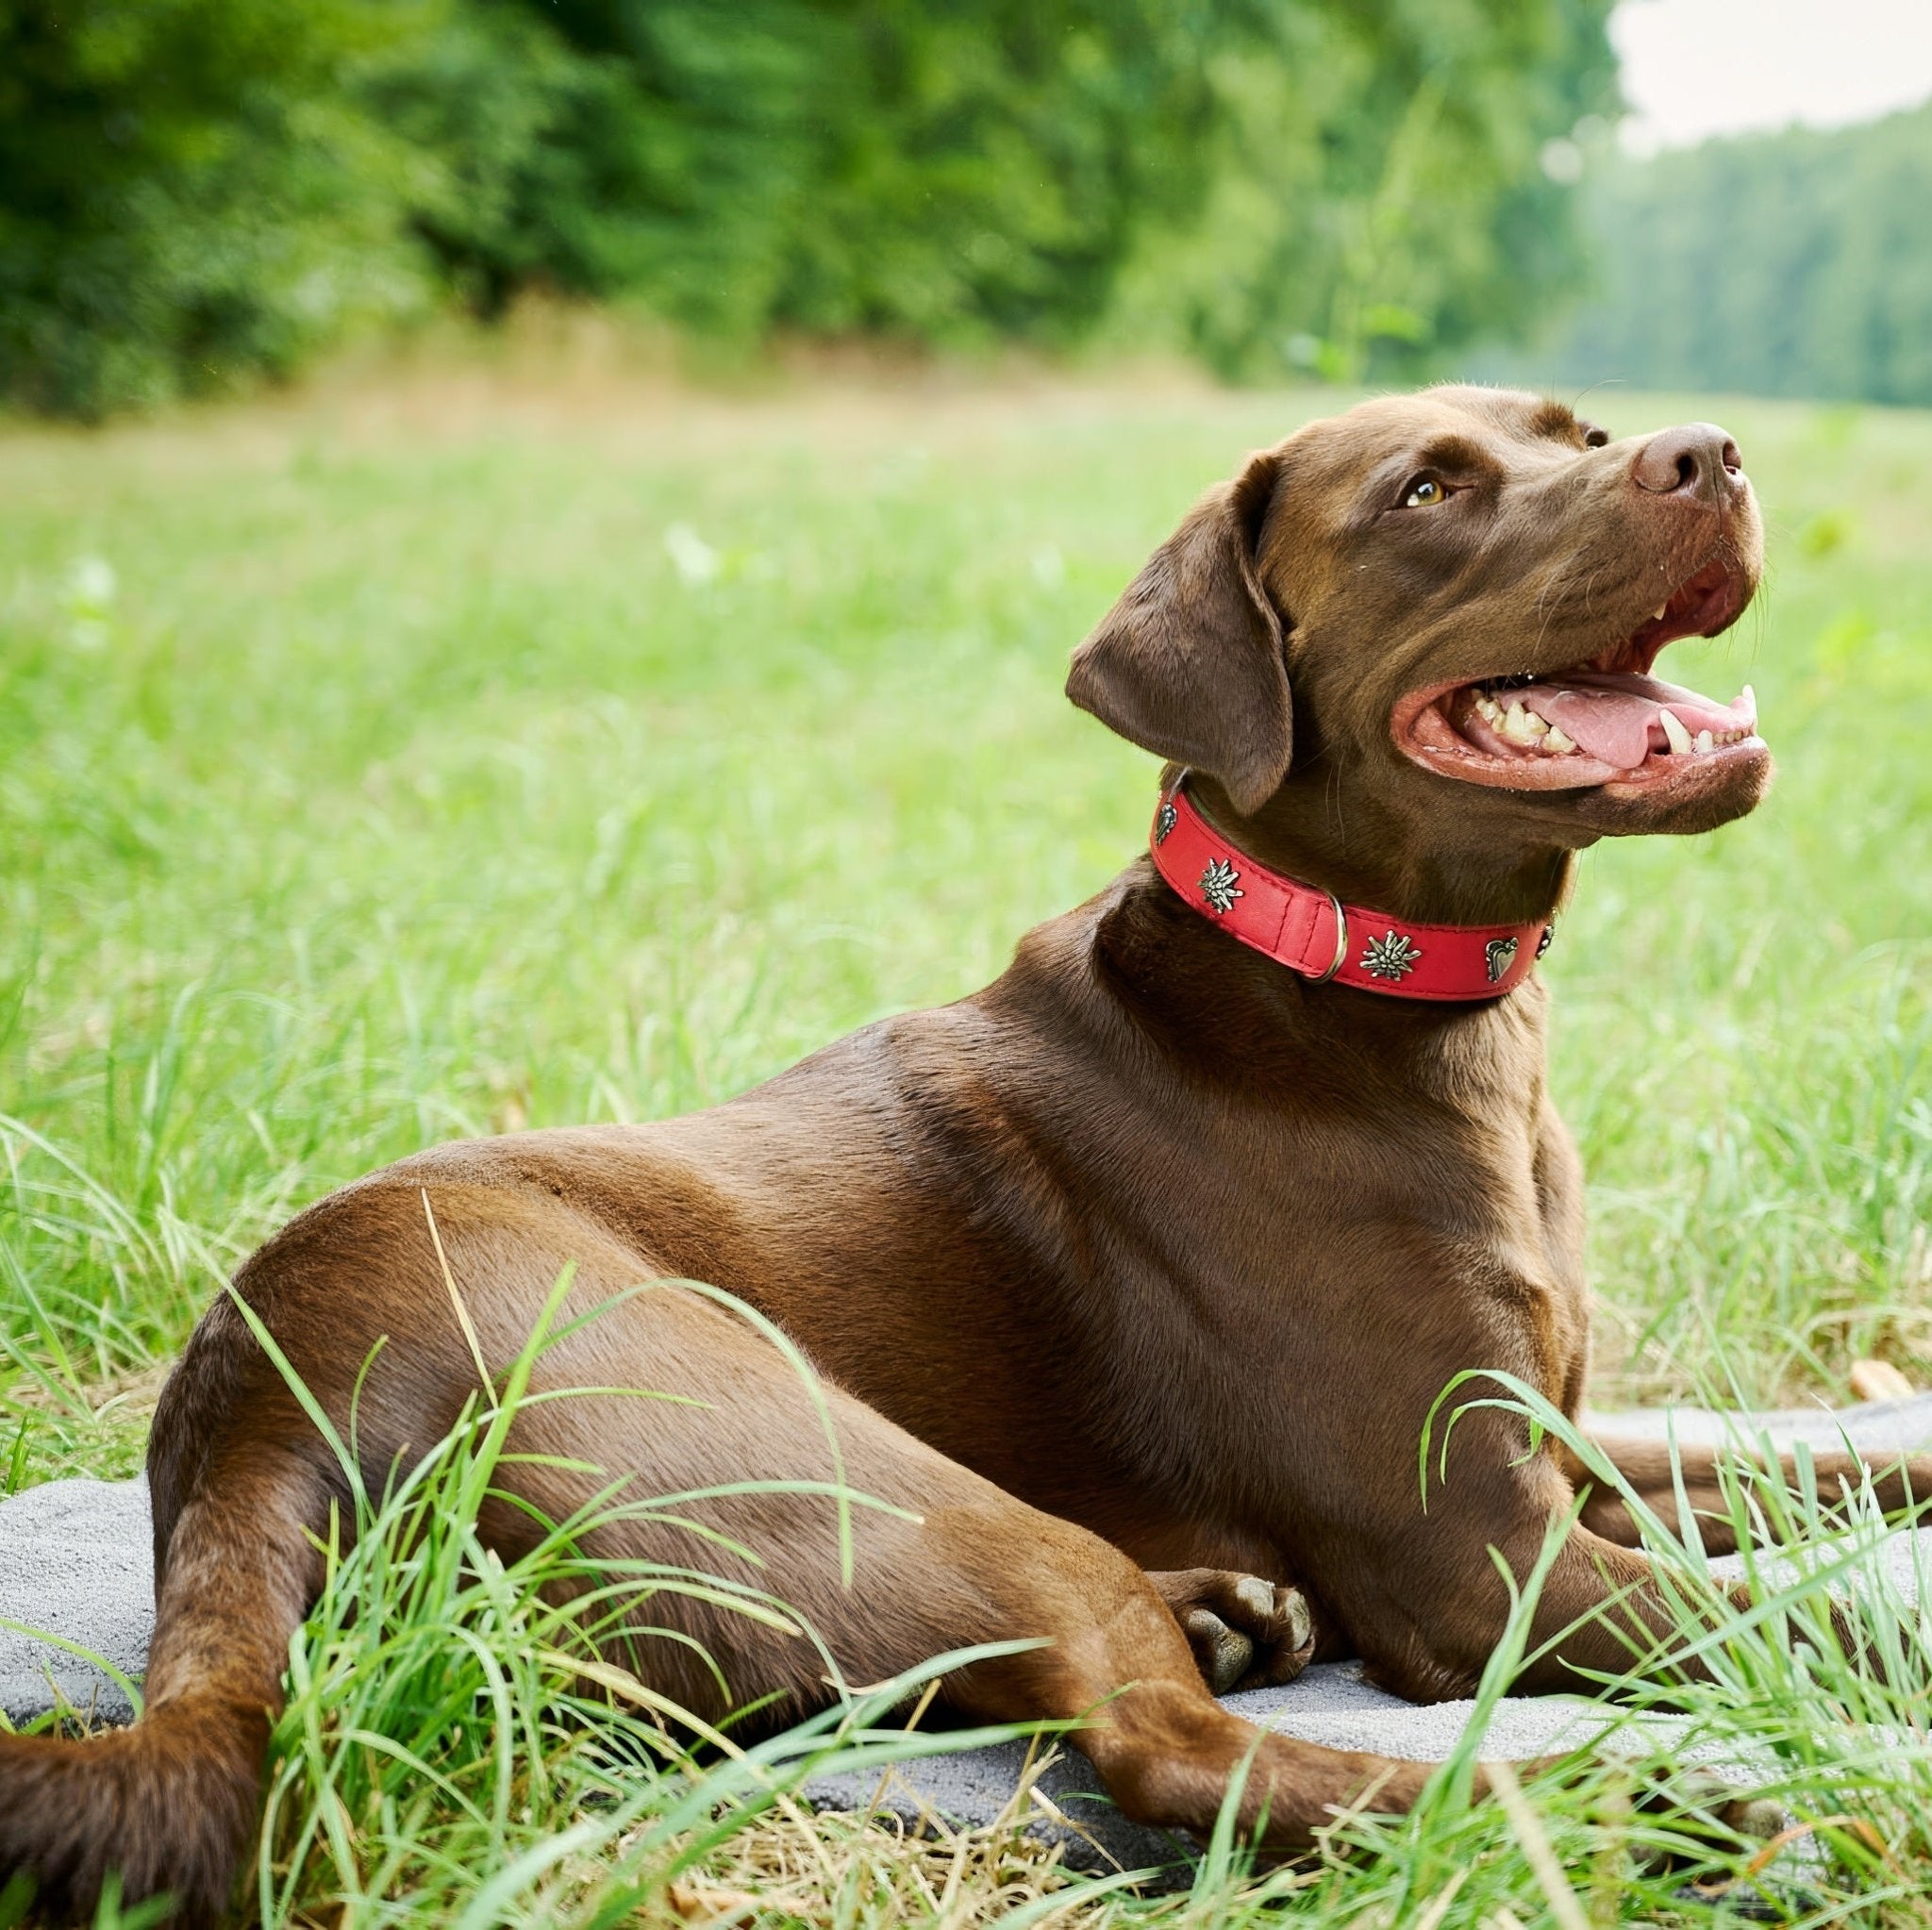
1522 726
1748 697
1560 740
1658 617
1705 741
1674 733
1489 710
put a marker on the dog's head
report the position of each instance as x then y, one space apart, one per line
1450 601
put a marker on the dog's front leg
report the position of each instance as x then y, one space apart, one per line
1902 1484
1602 1609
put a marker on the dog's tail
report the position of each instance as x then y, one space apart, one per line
169 1804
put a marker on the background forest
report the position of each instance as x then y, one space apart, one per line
1797 264
194 190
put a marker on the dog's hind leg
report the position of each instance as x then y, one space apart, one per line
951 1562
720 1458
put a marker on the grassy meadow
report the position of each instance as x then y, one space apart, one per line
438 754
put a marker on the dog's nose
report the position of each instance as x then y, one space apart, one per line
1697 459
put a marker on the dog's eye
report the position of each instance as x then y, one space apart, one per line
1425 492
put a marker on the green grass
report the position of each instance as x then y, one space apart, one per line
370 772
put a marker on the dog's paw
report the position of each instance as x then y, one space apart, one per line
1706 1809
1692 1811
1245 1633
1700 1797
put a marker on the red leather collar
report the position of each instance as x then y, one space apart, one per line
1312 932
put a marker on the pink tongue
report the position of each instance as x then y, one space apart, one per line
1610 724
1612 717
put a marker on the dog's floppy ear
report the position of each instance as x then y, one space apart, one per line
1188 663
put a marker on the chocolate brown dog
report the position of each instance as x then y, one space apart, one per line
1131 1279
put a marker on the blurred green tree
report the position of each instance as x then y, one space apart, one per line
193 187
944 173
1375 192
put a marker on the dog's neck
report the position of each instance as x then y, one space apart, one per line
1368 855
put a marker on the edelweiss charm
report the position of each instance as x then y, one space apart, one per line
1390 956
1218 885
1498 956
1165 818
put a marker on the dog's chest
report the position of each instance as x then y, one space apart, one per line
1407 1220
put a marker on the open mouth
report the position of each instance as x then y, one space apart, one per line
1604 720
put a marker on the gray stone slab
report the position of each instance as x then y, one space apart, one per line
76 1560
75 1563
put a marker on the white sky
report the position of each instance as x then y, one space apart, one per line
1699 66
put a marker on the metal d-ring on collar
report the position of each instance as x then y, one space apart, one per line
1340 958
1340 940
